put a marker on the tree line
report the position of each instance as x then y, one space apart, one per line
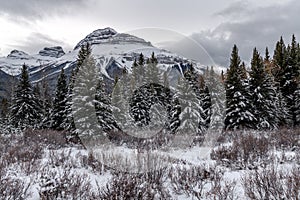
264 95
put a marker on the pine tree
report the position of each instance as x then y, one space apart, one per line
104 109
68 122
84 52
141 61
238 108
26 109
205 102
118 102
297 105
59 112
263 92
267 55
218 100
290 74
83 97
190 105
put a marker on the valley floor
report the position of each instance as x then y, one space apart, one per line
241 165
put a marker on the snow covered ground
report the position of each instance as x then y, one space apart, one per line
229 170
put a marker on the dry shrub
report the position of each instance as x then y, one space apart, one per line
46 138
246 151
201 183
271 183
11 187
190 182
150 185
63 184
91 161
286 138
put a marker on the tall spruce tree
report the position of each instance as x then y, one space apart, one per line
26 109
83 95
59 112
263 98
297 105
218 100
104 109
190 105
238 107
289 79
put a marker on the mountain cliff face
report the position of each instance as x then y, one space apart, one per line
119 48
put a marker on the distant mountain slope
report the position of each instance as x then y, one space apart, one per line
120 48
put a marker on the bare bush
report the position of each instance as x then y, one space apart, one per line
150 185
190 182
11 187
246 151
221 189
286 138
271 183
95 164
63 184
46 138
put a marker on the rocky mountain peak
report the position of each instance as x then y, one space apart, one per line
16 54
97 36
55 52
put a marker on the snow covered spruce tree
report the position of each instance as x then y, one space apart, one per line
59 112
202 92
217 99
83 94
103 108
287 64
297 105
239 113
26 109
118 102
190 116
290 78
263 98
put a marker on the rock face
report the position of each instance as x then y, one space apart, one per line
110 36
16 54
55 52
97 36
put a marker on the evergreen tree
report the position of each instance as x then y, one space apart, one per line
267 55
84 52
297 105
26 109
118 102
83 97
190 116
68 122
263 92
217 100
203 93
290 74
238 108
141 61
59 112
104 109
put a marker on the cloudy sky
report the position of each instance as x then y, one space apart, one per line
216 24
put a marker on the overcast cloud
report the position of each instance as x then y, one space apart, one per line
250 27
38 9
216 25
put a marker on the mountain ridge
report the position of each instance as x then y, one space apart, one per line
107 43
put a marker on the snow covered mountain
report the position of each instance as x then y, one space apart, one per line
120 48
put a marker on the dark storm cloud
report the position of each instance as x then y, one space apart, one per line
37 41
263 27
37 9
